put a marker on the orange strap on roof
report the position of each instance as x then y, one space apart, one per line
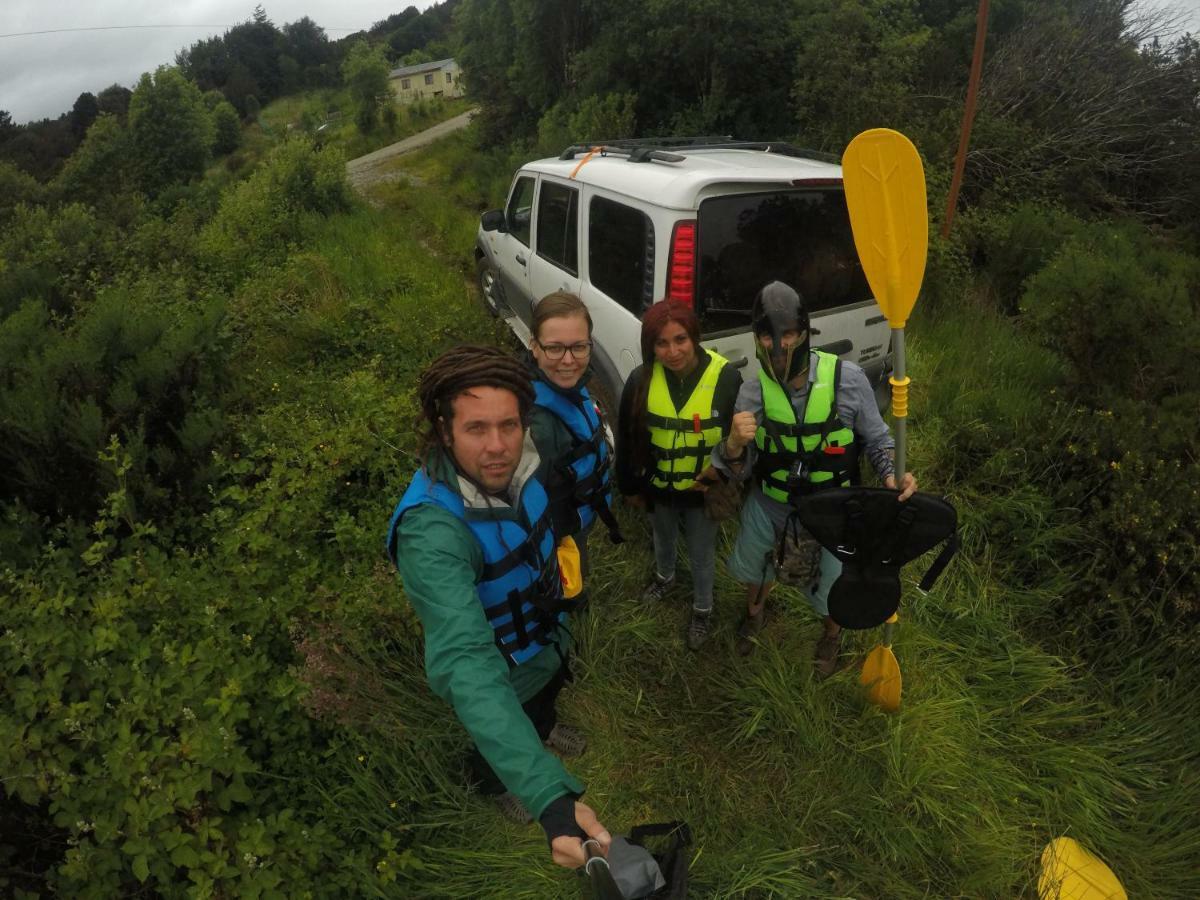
586 157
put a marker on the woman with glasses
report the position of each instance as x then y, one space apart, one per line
676 407
568 428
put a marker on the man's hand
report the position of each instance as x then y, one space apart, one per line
568 851
741 432
908 485
705 480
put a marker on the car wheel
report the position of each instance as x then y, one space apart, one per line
488 281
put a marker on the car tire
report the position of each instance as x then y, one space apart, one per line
487 279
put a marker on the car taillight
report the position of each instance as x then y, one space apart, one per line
681 264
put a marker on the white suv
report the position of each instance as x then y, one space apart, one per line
706 222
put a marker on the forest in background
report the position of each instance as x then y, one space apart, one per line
211 683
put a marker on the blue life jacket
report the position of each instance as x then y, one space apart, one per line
580 489
519 588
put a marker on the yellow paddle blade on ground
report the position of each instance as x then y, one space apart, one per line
881 672
885 195
1069 872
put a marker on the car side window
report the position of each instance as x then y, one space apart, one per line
519 213
558 226
621 253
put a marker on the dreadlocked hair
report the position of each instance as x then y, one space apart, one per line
458 370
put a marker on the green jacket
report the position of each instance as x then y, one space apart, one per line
440 561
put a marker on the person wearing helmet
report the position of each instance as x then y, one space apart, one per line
801 426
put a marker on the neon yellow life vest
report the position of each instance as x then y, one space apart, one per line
682 440
828 446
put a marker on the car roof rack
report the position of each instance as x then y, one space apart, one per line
674 149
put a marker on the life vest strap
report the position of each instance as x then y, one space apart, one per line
526 552
690 426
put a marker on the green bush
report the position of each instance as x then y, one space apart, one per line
17 188
51 256
1121 308
261 217
1013 244
150 725
143 363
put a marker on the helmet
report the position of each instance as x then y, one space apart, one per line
777 310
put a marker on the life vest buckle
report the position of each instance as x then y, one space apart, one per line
696 423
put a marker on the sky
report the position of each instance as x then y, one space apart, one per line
41 75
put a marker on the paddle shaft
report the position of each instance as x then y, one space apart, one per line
899 381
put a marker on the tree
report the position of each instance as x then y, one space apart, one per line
170 130
365 73
99 168
114 99
227 128
84 113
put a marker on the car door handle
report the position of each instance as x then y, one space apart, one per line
520 259
738 362
837 348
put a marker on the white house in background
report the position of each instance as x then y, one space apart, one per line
441 78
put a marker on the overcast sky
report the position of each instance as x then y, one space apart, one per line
42 74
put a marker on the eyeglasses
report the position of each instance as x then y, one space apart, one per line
582 350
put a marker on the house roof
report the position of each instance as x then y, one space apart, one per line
420 67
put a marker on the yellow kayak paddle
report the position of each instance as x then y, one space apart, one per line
1069 872
881 672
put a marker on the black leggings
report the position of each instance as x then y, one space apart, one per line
543 715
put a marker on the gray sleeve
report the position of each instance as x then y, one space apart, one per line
749 399
857 409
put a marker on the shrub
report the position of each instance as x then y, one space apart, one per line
1012 245
151 729
17 188
144 364
51 256
1121 309
262 216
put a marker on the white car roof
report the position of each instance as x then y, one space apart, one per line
678 185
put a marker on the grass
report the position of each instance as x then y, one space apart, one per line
796 788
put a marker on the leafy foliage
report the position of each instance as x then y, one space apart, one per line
140 364
170 130
261 217
365 72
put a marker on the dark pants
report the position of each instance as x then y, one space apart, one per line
543 715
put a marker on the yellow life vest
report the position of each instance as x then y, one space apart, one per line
681 440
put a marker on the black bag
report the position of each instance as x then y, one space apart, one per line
873 535
668 844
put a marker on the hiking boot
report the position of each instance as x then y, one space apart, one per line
657 589
566 740
825 659
748 631
510 807
698 628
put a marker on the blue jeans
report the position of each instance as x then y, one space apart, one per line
701 535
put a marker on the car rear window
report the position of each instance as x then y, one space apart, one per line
799 237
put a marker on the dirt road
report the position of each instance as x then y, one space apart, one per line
367 170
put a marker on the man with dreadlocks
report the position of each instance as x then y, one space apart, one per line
472 541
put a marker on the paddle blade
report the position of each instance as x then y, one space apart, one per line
1069 872
881 676
885 195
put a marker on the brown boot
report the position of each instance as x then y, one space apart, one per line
748 631
825 659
